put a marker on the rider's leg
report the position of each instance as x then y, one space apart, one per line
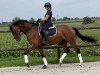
45 36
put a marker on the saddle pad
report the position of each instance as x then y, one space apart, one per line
51 31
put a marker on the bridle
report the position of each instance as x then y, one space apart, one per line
16 36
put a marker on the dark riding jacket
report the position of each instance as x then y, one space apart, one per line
48 22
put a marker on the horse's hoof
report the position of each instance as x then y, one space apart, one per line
44 67
28 65
60 63
80 65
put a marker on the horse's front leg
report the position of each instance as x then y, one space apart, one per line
44 58
26 56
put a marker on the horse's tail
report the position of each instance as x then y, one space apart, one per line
84 38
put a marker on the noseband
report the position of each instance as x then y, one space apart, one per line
19 35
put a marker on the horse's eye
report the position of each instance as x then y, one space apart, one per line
13 32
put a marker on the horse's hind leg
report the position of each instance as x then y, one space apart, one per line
70 36
63 44
74 45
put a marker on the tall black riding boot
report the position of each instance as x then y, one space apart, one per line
45 38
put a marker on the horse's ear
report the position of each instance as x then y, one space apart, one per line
39 20
11 26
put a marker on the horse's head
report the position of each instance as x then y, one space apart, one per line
19 27
15 30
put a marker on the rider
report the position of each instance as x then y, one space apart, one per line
47 21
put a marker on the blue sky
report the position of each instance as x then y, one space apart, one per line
34 8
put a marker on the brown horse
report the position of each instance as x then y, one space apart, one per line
64 35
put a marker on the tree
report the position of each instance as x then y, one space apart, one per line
31 20
76 18
66 18
87 20
60 19
16 19
53 19
5 23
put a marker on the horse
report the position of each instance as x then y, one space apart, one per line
65 34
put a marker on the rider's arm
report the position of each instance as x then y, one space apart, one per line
45 18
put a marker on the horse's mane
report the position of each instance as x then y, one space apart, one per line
22 22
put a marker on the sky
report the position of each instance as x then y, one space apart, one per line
25 9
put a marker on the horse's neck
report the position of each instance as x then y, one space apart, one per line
28 30
26 27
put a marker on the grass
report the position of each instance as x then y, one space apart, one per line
7 41
16 58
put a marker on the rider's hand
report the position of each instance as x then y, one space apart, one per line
42 21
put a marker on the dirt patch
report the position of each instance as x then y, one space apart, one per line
92 68
4 28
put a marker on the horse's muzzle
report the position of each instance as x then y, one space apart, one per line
17 39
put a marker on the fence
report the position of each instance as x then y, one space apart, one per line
52 47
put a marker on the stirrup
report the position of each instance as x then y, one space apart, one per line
45 42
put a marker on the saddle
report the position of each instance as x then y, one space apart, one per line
50 32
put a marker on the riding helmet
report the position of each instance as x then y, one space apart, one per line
47 5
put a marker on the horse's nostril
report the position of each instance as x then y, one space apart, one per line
18 39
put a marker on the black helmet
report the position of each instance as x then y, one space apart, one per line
47 5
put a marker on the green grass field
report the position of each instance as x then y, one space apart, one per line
11 61
15 58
